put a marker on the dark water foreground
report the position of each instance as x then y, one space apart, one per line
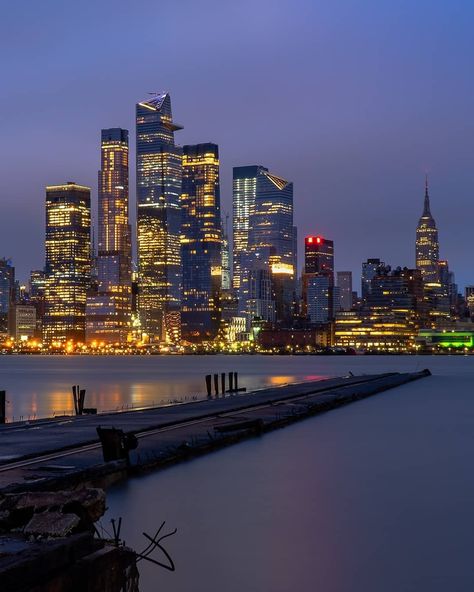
374 496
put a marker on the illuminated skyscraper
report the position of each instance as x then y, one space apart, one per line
7 287
201 242
158 216
427 246
109 311
264 236
68 261
226 279
318 279
243 202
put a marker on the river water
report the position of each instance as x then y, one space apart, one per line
40 386
375 496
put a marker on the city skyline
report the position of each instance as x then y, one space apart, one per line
356 149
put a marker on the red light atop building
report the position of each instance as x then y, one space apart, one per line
314 239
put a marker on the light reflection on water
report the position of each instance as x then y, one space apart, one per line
41 385
376 496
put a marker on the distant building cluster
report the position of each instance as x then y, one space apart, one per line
187 290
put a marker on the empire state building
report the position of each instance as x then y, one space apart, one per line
427 246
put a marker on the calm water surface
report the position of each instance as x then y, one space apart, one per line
41 385
376 496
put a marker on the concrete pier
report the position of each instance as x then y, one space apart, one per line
68 451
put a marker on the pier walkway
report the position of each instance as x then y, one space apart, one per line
42 450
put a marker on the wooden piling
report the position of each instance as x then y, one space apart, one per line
216 384
223 383
3 413
231 382
209 385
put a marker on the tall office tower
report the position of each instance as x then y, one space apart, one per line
201 242
109 311
226 278
7 288
271 239
369 271
344 283
37 286
427 246
319 256
264 235
318 298
243 202
158 217
318 262
68 261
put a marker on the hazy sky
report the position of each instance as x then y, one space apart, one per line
351 100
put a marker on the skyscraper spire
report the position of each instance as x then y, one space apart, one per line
427 247
426 209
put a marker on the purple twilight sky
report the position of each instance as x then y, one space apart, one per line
351 100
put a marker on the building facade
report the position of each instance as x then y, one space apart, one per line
22 322
369 271
344 283
158 217
68 261
264 239
427 245
201 243
109 310
7 288
318 292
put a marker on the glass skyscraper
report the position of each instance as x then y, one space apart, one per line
201 242
158 217
68 261
264 235
109 311
7 286
243 201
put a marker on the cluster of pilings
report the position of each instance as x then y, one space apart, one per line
233 384
79 398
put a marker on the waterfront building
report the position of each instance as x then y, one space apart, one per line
68 261
427 245
369 271
22 322
7 289
469 297
344 283
201 243
391 317
109 310
158 216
